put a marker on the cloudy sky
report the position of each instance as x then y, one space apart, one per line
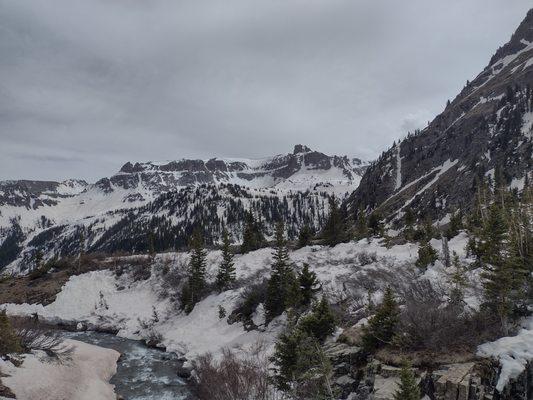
86 85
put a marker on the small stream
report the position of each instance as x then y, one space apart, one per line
143 373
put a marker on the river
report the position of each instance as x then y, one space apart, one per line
143 373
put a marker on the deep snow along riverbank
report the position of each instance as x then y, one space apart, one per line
143 373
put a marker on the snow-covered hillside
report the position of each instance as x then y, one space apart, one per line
144 308
49 216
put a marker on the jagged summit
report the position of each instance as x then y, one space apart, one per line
300 148
519 40
302 169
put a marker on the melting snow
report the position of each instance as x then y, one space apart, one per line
513 353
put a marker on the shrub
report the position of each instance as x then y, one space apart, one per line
366 258
233 377
34 335
251 297
427 323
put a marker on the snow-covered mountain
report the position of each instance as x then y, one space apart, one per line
169 198
301 170
486 128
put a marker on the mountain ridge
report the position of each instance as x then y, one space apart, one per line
487 127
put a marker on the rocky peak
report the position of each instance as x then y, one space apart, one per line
519 40
487 126
300 148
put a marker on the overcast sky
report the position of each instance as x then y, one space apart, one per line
86 85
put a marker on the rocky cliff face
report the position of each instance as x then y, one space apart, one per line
488 126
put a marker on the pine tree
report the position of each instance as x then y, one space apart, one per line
195 285
457 281
226 269
409 220
252 238
9 341
456 223
375 224
320 323
504 274
334 231
300 365
285 358
283 287
426 256
381 326
407 388
494 235
309 284
361 229
305 236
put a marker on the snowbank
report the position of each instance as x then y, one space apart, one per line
513 353
84 377
101 299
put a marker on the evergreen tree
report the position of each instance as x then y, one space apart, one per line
334 231
457 281
309 284
305 236
375 224
9 341
283 287
381 326
407 388
494 235
456 223
226 269
195 285
426 256
320 323
361 229
409 220
300 365
285 358
313 370
252 238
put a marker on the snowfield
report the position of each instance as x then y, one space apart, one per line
84 377
141 309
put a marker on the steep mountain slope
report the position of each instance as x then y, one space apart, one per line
487 127
166 200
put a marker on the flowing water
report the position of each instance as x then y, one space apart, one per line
143 373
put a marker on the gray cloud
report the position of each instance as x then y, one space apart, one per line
102 82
